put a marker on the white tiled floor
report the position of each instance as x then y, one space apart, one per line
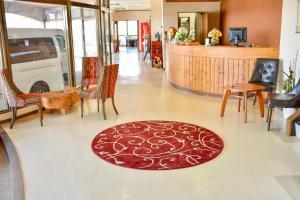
58 163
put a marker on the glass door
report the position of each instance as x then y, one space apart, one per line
37 43
85 37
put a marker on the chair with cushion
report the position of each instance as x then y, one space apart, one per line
90 71
290 100
105 88
16 99
265 74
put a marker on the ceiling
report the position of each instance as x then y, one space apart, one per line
130 4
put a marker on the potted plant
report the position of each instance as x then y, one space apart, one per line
181 35
289 84
214 34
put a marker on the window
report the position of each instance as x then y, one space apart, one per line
31 49
127 30
37 45
132 28
85 37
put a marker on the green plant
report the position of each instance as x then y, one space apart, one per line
290 79
181 34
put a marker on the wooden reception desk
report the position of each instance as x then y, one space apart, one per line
207 70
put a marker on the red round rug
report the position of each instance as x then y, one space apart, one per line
157 145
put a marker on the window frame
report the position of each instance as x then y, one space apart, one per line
99 7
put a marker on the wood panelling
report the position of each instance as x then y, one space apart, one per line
209 69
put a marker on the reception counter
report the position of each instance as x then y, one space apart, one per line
206 70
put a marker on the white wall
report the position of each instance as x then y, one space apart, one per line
156 17
290 40
171 10
141 16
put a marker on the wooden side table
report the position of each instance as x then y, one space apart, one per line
61 100
243 89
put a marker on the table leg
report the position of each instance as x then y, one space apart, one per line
261 103
64 110
227 93
245 106
239 104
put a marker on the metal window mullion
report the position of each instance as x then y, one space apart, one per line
83 32
4 40
109 38
104 37
72 75
99 34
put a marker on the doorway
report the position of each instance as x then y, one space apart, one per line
128 35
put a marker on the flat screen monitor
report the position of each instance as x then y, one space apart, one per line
237 35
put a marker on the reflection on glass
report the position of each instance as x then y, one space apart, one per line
37 45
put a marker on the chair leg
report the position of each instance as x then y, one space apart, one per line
254 101
13 116
81 106
41 114
239 105
103 109
270 118
98 104
114 105
268 115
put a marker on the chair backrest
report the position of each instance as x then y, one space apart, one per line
108 83
9 90
265 71
90 70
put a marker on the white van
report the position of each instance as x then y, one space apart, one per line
39 59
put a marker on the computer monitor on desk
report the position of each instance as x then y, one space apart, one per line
237 35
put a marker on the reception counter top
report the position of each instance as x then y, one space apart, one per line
208 69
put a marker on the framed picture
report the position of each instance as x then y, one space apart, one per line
298 18
184 22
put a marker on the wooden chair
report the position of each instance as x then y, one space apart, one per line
16 99
90 71
105 89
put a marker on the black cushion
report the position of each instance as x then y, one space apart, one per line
265 71
280 100
296 89
268 87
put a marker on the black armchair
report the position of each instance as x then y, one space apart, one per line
265 74
290 100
